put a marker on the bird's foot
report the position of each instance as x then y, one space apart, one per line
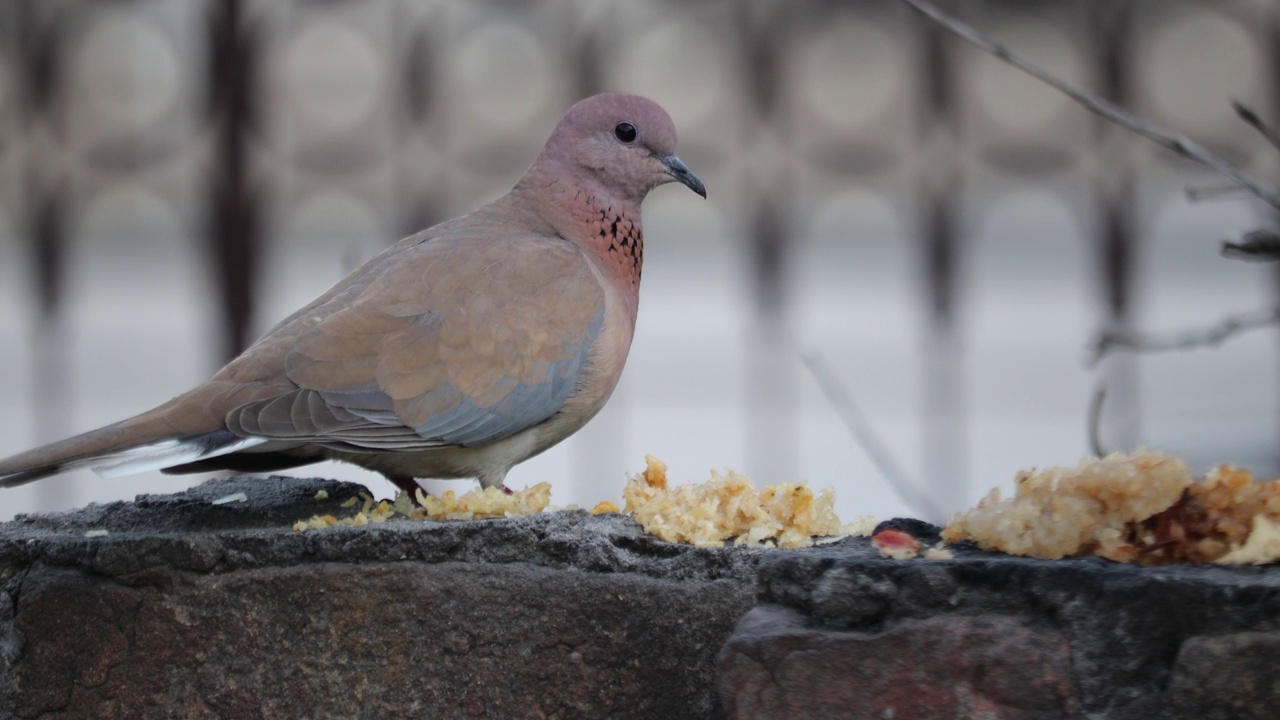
405 483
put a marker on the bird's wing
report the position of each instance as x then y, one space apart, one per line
457 341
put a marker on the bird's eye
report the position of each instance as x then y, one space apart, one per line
625 132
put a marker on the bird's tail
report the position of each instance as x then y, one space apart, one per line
139 444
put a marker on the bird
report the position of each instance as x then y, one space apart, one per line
458 352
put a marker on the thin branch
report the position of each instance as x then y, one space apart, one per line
1095 419
1215 192
897 478
1254 121
1179 144
1255 246
1112 340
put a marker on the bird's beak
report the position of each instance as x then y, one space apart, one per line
682 173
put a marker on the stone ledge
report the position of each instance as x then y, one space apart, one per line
777 665
185 531
223 611
843 633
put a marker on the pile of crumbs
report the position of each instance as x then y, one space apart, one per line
1143 508
474 505
729 508
725 508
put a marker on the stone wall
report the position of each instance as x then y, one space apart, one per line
189 609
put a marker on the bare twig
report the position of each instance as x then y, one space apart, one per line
1255 246
1215 192
897 478
1095 419
1249 116
1111 340
1179 144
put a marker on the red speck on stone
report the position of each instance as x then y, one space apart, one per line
895 540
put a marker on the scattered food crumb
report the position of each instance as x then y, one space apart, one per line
896 544
1142 508
487 503
234 497
939 552
725 508
322 495
1262 546
728 507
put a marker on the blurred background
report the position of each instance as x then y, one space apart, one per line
946 233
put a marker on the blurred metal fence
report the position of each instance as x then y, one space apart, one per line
251 123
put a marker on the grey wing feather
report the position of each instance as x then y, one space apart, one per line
484 383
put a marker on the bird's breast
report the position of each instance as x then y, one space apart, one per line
607 358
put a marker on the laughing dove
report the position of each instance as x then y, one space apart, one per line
458 352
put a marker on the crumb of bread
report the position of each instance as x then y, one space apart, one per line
605 506
729 508
486 503
939 552
1143 508
1261 547
322 495
1215 521
1062 511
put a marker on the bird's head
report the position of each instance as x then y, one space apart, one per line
626 143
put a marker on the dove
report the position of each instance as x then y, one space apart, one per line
458 352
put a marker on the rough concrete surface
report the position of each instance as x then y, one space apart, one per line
188 609
844 633
194 610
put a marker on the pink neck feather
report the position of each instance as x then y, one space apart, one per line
608 229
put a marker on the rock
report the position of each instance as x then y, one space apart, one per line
189 609
218 611
1227 676
846 633
776 666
